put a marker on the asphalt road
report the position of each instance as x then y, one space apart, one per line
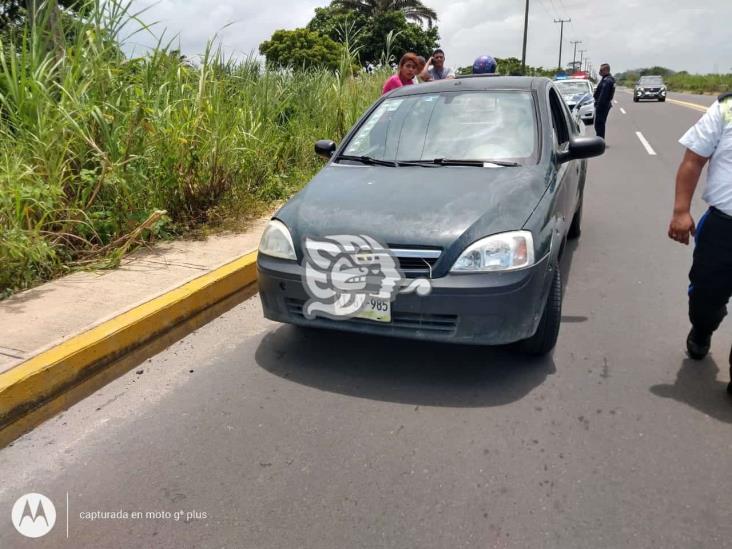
291 439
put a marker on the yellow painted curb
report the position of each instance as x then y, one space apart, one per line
46 376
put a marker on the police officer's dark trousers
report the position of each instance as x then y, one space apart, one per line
711 272
601 112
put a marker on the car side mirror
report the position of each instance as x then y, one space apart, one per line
582 147
325 148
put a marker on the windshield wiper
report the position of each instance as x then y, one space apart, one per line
450 162
368 160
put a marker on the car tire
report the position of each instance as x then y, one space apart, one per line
547 332
635 100
575 229
662 99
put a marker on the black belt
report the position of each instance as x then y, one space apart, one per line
720 213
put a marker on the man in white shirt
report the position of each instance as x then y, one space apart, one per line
710 139
435 68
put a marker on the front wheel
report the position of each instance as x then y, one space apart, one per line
662 99
635 100
547 333
575 229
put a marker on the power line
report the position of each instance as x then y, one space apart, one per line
541 3
574 56
526 31
561 37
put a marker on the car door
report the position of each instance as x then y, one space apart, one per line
567 175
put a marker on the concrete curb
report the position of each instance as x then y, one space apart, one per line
39 387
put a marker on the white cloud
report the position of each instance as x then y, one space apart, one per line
625 33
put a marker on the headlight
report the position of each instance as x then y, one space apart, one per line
276 241
500 252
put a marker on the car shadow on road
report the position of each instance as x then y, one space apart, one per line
697 385
402 371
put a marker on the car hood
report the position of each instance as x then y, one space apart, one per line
415 206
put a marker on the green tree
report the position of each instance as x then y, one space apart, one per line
414 10
372 32
331 20
301 49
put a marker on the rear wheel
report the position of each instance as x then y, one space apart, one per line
547 333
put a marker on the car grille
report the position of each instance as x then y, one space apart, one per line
436 324
416 262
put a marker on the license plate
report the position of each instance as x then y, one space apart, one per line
376 309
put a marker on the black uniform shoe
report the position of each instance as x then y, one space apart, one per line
697 346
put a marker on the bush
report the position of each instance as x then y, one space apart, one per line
94 147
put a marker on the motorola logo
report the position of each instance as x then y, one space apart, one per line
34 515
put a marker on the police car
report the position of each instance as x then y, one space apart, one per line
577 93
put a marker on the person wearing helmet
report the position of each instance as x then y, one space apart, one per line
485 64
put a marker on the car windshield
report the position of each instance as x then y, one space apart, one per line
570 89
471 125
651 81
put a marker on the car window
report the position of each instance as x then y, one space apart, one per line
472 125
651 81
559 118
570 89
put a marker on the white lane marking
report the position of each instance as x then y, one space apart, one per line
623 110
646 144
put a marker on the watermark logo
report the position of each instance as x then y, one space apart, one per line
33 515
353 275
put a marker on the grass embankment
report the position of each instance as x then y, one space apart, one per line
93 145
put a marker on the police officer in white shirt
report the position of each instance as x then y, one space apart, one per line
710 139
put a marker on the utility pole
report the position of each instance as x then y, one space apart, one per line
526 31
574 57
561 37
582 53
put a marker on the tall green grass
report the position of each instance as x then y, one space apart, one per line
99 151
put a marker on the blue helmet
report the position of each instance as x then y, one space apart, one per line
485 64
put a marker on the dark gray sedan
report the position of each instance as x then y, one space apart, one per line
442 215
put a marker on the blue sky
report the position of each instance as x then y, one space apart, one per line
625 33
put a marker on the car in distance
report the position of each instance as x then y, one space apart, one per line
471 186
650 87
578 94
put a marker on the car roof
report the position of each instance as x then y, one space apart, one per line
475 83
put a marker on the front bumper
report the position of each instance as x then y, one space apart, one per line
482 309
650 94
587 112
